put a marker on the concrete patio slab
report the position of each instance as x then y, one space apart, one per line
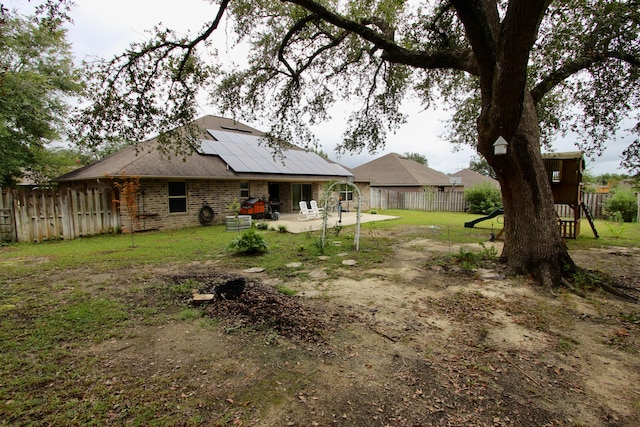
293 225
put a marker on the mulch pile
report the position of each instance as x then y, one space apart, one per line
262 307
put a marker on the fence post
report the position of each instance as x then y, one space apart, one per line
7 216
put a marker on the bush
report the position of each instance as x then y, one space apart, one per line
250 242
482 198
623 203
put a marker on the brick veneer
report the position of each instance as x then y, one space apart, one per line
153 202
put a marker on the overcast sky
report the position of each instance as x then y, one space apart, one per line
104 28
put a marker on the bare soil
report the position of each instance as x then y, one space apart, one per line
417 341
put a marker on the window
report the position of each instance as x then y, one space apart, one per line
554 169
346 192
177 196
244 189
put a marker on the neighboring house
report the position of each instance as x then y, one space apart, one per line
603 189
232 164
470 178
398 173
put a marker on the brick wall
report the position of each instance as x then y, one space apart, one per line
365 192
153 203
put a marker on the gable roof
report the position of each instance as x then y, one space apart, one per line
227 149
394 170
471 178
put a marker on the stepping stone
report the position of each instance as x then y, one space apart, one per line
350 262
324 257
318 274
294 265
254 270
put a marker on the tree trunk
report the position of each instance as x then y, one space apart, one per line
533 243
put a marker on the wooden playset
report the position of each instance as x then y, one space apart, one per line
565 172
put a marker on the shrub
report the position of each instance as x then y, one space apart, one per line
250 242
624 202
482 198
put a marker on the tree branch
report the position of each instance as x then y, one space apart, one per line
383 40
481 22
572 67
456 59
297 27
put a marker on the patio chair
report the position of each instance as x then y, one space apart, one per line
305 213
318 212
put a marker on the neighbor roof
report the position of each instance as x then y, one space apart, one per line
471 178
395 170
228 149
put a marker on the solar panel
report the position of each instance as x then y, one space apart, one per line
249 153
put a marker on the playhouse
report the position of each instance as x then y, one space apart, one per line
564 171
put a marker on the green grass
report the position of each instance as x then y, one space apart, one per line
446 226
286 290
202 244
611 234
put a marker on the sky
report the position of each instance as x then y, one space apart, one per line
106 28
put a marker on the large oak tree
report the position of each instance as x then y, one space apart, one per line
37 81
526 70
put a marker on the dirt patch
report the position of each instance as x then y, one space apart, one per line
410 343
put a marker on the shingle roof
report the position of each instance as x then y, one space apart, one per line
146 161
398 171
471 178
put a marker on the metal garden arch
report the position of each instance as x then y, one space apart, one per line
325 216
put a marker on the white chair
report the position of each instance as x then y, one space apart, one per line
305 213
318 212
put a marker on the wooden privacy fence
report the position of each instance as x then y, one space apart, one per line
419 201
38 215
454 202
595 202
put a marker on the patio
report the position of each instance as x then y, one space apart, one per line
293 225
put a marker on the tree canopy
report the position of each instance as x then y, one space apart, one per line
526 70
37 77
420 158
582 73
481 166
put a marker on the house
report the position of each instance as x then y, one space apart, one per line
398 173
231 163
470 178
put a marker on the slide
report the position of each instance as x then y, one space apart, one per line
470 224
